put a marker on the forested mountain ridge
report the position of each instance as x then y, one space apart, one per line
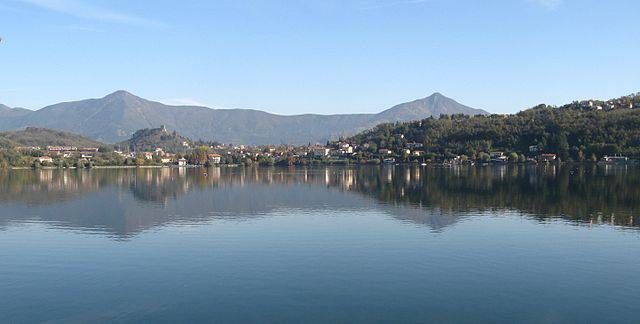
580 130
117 116
34 136
149 139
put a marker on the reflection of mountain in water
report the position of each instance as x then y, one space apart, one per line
126 201
580 193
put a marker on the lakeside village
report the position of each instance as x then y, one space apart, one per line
609 124
333 153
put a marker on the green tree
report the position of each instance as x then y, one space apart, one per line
199 156
140 161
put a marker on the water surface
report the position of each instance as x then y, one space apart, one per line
335 244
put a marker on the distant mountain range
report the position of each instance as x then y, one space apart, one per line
117 116
13 112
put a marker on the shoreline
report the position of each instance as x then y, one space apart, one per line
441 165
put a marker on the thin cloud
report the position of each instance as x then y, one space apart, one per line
184 102
549 4
79 28
84 10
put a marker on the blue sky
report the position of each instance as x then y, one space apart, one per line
319 56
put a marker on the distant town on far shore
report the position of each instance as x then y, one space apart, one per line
583 131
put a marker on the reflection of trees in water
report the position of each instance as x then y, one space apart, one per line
157 185
42 187
582 193
125 201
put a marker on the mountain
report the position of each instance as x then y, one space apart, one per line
6 111
434 105
33 136
149 139
117 116
580 130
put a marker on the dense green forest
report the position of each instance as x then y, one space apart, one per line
149 139
578 131
34 136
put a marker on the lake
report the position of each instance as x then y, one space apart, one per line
405 244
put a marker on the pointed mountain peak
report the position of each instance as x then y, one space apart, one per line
121 94
435 96
434 105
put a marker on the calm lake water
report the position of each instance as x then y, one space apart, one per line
325 245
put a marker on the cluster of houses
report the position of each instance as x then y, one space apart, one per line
534 150
332 151
164 157
335 151
61 152
344 150
168 158
501 157
609 105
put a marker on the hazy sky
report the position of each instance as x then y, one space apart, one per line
319 56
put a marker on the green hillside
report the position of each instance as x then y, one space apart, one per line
578 131
149 139
33 136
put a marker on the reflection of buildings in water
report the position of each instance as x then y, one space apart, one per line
429 196
407 175
601 218
613 169
416 174
389 173
165 175
549 169
562 193
348 179
38 187
327 178
214 173
502 170
46 175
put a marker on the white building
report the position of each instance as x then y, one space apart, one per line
45 159
320 151
215 158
